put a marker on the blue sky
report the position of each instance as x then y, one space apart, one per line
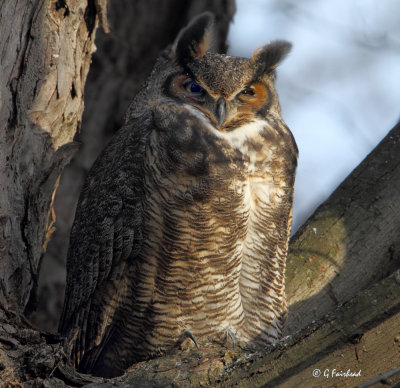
340 86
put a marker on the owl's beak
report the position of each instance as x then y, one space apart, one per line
220 111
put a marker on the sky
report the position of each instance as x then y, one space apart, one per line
339 88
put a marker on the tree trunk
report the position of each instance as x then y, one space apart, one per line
46 48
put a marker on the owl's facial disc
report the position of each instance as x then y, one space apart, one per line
225 110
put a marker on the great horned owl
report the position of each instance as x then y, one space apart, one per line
183 223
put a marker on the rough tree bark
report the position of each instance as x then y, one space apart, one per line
349 243
46 48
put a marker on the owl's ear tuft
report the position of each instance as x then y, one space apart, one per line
194 40
268 57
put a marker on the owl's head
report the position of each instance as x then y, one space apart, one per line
228 90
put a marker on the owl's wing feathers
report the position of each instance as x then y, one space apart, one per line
106 235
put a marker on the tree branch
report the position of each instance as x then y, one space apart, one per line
351 241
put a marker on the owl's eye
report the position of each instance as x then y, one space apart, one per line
194 89
248 92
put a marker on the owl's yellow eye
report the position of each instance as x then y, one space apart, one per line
253 97
248 92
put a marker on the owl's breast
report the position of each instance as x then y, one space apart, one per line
194 226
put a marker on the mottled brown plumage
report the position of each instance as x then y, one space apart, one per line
182 225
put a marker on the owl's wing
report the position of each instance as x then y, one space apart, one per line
106 235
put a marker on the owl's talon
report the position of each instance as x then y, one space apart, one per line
188 334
